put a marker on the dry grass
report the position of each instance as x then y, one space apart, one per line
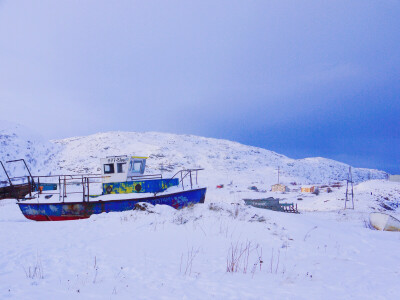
35 271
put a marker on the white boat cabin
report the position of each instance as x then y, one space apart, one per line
122 168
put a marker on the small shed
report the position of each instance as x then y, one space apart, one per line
279 188
308 189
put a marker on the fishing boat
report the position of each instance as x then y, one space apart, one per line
121 185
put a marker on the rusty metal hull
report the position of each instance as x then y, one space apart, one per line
82 210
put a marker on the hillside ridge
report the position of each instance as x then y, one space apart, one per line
225 160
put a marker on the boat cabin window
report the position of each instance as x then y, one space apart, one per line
109 169
121 167
136 166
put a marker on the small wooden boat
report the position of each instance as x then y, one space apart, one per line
382 221
15 188
120 187
14 192
272 203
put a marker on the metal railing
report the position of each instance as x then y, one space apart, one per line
65 183
145 177
183 174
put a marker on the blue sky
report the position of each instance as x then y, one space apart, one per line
302 78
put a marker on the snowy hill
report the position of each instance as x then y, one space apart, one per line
226 161
18 142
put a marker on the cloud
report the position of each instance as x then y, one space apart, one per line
230 69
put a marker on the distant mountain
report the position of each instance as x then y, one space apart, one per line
224 161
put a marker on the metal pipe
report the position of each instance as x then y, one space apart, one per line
65 187
59 188
30 187
88 189
83 187
183 187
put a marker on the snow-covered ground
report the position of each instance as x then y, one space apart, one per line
170 254
221 249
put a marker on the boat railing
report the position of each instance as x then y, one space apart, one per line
145 177
61 185
185 173
17 180
65 184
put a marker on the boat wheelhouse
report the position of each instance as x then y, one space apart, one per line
123 174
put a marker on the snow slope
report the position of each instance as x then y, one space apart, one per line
227 161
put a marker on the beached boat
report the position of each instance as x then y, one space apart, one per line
272 203
385 222
120 187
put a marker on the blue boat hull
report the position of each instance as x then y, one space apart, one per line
82 210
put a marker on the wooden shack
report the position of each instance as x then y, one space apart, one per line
279 188
308 189
394 178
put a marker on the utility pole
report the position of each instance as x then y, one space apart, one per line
349 180
278 175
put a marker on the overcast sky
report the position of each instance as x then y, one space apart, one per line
302 78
